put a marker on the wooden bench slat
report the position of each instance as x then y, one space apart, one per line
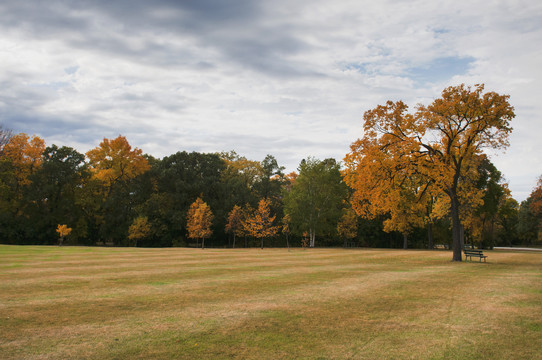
474 252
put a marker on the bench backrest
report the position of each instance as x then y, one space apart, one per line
474 252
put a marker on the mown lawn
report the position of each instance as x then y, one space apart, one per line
113 303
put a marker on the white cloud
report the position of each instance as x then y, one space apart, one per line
290 79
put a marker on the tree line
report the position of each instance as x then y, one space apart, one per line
413 180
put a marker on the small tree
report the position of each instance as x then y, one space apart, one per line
286 228
347 228
63 231
305 240
260 223
235 222
139 229
199 220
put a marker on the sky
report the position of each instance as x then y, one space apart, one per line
286 78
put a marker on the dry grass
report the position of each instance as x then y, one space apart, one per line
99 303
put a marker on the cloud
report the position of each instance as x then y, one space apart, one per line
287 78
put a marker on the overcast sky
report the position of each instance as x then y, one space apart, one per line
288 78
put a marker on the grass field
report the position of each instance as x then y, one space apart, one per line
113 303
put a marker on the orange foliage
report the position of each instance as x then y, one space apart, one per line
199 219
404 157
348 225
239 166
235 221
139 229
260 223
63 230
25 154
291 177
114 160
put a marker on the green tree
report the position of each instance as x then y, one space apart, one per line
52 194
316 199
181 178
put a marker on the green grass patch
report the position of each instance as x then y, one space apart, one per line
111 303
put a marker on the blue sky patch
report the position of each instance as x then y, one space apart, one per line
440 69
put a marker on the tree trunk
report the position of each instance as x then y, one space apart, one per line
430 244
456 229
262 242
203 243
287 242
233 240
405 241
312 238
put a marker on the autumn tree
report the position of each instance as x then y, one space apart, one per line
63 231
114 164
260 224
290 180
139 229
199 220
235 223
347 228
25 155
115 161
247 172
440 143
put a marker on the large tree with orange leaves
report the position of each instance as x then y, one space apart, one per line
115 161
114 164
440 143
25 154
199 220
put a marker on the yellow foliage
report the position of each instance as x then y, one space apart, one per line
139 229
405 159
114 160
199 220
260 223
235 221
239 166
63 230
25 154
348 225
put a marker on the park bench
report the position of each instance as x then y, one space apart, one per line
469 253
